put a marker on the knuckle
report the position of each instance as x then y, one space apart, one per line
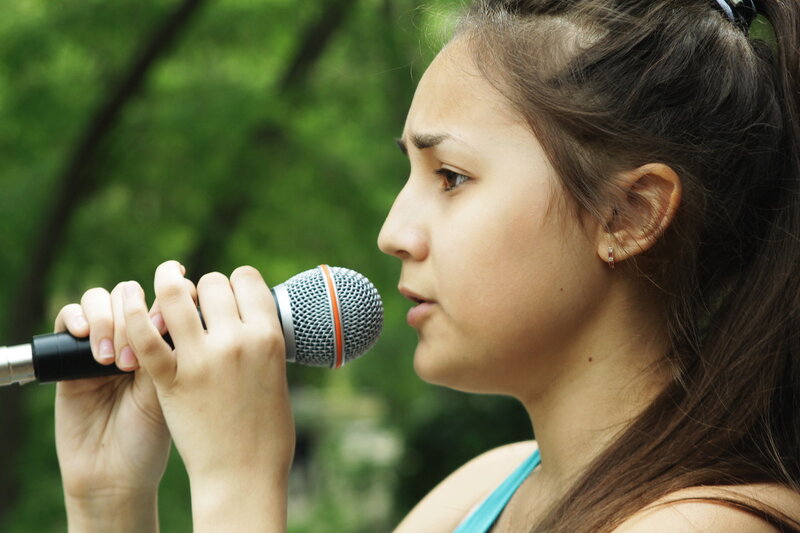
245 272
71 310
118 288
171 263
101 325
134 316
93 294
142 317
170 291
268 340
147 344
68 313
212 278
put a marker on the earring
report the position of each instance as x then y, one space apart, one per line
611 258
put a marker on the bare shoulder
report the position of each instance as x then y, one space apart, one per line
450 501
682 512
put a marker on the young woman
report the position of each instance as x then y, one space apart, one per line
602 220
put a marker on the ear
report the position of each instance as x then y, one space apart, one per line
646 203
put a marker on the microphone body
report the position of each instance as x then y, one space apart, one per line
328 315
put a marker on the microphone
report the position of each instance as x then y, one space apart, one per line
329 316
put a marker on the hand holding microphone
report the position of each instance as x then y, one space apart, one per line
111 437
223 388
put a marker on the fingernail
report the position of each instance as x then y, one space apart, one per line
131 289
158 321
127 360
106 350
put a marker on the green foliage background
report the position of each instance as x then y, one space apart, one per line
215 161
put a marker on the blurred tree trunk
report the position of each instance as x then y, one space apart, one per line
76 181
230 207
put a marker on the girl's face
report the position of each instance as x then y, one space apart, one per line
507 286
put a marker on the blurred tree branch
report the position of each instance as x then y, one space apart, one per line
76 181
230 207
313 42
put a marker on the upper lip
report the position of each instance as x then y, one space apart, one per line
413 296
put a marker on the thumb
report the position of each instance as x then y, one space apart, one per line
154 354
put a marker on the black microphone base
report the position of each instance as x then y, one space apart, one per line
61 356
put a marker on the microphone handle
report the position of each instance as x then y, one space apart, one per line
61 356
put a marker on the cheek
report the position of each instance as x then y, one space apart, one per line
520 283
494 254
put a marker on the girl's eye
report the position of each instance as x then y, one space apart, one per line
451 179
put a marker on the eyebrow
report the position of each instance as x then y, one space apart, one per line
422 141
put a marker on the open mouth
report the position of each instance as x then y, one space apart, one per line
421 309
414 297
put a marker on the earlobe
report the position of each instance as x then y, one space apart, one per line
646 204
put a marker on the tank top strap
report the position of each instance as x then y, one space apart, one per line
484 515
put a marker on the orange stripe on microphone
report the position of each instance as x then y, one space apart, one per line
337 323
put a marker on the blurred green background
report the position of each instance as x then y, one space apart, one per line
224 133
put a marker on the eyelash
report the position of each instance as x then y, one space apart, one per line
448 176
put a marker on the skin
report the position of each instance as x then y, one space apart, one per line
519 302
242 433
523 304
111 438
222 393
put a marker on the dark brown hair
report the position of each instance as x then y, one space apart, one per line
610 85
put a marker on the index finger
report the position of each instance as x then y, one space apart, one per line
71 318
177 304
255 302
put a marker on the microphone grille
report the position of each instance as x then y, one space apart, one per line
360 309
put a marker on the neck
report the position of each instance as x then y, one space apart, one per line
608 375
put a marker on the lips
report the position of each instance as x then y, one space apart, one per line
423 308
413 296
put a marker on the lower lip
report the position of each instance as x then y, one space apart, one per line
417 314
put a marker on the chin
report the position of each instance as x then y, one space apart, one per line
426 367
448 370
433 367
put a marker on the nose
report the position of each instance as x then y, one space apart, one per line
404 234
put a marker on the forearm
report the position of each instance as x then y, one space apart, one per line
118 514
248 504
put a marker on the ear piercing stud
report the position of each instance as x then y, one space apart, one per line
611 258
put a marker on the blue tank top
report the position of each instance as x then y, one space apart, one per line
484 516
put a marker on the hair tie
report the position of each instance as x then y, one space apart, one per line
740 12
